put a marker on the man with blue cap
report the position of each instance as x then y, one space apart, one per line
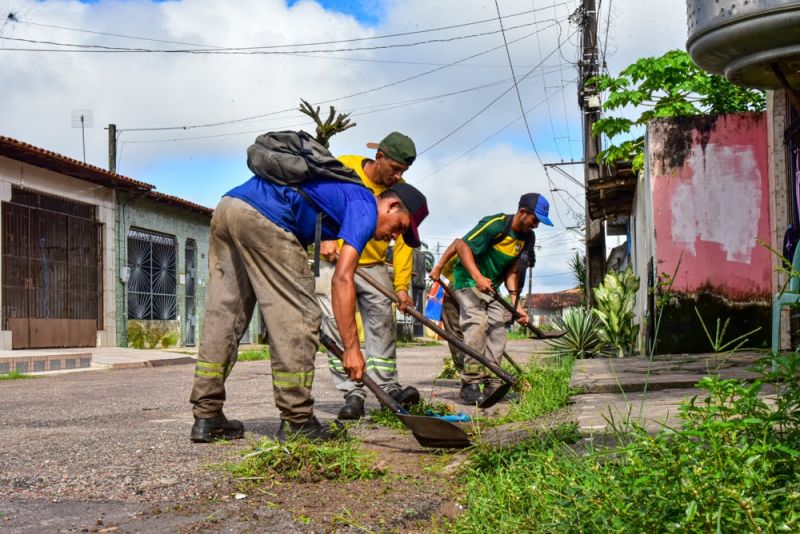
488 255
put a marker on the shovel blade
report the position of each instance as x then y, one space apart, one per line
495 396
435 433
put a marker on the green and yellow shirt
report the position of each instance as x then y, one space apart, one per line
495 249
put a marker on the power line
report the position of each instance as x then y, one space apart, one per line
487 106
486 139
12 17
516 85
352 95
255 50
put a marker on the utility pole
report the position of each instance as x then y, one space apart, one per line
112 148
589 102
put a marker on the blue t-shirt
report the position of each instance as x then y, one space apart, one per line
351 209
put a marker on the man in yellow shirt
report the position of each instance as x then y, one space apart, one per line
395 153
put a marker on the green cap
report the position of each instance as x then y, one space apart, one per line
398 147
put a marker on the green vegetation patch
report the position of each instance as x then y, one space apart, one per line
253 355
301 460
543 388
732 466
15 375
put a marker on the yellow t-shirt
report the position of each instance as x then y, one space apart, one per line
375 251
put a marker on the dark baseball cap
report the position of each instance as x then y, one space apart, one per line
398 147
538 205
417 205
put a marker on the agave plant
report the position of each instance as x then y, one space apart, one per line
615 299
582 338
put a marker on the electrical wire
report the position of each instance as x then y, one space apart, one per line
486 107
82 48
337 99
317 43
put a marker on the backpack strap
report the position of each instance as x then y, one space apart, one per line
317 227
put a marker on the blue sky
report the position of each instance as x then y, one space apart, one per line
183 117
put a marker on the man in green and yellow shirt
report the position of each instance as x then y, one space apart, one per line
487 256
395 154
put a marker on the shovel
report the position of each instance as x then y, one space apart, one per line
452 294
515 314
494 396
429 431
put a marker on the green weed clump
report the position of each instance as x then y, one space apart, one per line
543 388
15 375
732 466
301 460
253 355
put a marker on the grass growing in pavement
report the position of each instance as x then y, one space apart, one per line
418 343
253 355
386 417
542 388
15 375
305 461
731 466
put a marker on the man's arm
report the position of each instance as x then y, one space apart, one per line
436 272
482 283
403 263
343 296
512 285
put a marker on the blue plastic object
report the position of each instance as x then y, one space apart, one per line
460 417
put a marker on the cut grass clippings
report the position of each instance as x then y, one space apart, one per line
385 417
302 460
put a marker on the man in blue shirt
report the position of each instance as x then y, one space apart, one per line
257 253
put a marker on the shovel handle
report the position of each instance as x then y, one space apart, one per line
384 397
516 315
496 369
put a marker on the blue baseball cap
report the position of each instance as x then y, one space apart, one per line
538 205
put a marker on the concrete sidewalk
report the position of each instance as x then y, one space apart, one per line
47 361
648 393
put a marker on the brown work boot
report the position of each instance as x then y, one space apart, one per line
406 397
311 430
209 429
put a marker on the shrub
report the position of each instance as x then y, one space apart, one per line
615 299
582 338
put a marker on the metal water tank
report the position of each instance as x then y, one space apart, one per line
741 39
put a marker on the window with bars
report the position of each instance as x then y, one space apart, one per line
152 286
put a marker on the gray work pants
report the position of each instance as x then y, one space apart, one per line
380 332
483 324
252 259
450 321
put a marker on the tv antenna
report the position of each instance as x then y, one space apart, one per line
82 118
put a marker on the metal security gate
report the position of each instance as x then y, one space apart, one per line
52 271
152 287
191 277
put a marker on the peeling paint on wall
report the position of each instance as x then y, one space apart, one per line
721 202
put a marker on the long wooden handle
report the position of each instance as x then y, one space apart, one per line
516 315
384 397
496 369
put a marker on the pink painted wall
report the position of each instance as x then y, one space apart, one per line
709 181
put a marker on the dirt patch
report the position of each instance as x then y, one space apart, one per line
411 495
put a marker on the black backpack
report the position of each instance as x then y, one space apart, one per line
292 158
